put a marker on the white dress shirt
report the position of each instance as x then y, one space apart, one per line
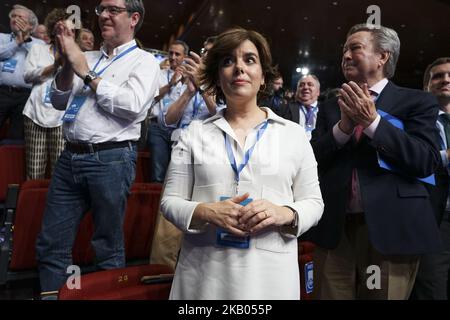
115 111
302 117
37 109
281 170
10 50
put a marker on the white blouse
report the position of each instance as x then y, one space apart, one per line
282 170
37 108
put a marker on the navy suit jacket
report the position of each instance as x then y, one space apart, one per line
397 207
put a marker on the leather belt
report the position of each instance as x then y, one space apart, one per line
95 147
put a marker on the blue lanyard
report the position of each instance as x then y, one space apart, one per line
311 115
168 82
114 60
196 108
248 154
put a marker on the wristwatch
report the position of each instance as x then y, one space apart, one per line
294 223
91 76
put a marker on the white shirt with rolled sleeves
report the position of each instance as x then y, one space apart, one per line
281 170
40 112
115 112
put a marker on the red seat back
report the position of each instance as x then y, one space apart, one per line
120 284
143 167
140 219
27 224
12 167
139 225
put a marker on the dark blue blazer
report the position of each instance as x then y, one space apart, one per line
397 206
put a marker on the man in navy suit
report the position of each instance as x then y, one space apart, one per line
376 221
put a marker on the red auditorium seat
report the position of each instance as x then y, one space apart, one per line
122 284
140 220
12 167
139 226
143 167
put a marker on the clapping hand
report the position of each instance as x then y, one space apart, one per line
69 49
357 104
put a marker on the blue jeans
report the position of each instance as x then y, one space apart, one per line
99 181
160 149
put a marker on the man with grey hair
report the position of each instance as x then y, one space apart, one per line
432 282
376 148
14 48
305 107
86 40
106 95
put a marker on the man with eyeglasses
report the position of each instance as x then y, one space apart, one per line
105 95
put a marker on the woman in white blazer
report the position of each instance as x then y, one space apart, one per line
242 185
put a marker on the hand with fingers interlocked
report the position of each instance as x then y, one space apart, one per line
262 214
224 214
357 106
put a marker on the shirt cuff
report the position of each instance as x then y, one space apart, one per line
370 130
341 137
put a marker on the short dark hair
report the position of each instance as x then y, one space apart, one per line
183 44
226 42
427 76
136 6
54 16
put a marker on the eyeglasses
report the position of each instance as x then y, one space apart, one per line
112 10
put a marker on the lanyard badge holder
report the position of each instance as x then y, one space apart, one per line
79 99
9 65
225 238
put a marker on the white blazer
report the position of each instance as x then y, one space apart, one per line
282 170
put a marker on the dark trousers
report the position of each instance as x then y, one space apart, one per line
11 106
160 150
432 282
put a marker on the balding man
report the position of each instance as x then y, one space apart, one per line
305 107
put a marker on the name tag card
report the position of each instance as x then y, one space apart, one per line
74 108
9 65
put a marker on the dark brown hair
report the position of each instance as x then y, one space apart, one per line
427 75
52 19
223 46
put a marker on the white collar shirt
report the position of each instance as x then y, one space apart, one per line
10 51
115 111
39 107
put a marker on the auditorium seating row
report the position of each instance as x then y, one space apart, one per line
23 222
12 167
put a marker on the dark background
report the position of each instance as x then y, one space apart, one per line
301 33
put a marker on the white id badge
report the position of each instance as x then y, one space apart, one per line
9 65
47 95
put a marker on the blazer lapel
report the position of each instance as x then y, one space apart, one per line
387 97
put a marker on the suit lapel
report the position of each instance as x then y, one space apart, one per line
387 97
295 111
